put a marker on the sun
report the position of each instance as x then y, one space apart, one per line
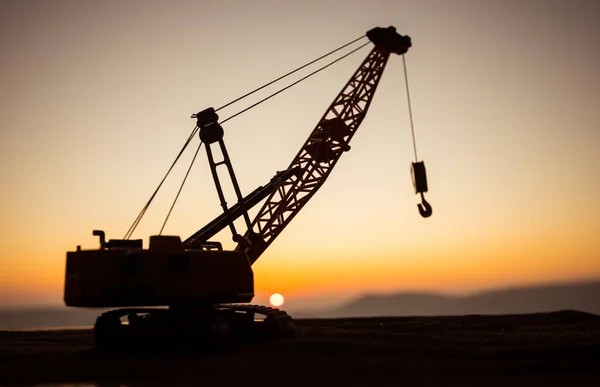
276 299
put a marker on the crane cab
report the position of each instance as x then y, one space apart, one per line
123 274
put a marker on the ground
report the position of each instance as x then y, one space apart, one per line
550 349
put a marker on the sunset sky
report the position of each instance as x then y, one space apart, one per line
96 98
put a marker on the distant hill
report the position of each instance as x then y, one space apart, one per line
57 317
582 296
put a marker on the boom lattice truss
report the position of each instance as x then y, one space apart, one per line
319 154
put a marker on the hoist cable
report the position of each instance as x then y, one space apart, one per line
290 73
141 214
136 222
292 84
412 127
180 188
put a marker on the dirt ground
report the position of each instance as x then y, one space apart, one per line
553 349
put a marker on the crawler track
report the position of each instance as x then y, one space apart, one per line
204 328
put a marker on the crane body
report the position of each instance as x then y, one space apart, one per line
180 289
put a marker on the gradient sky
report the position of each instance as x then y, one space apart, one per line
96 100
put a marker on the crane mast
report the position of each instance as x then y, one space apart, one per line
325 145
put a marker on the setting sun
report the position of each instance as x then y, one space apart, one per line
276 299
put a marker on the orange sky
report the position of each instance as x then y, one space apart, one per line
96 100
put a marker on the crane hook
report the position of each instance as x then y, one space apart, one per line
419 178
424 208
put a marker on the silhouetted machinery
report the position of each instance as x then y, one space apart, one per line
193 291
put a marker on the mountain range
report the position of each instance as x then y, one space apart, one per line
582 296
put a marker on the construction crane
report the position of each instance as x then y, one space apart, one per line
195 292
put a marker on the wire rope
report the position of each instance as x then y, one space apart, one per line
290 73
143 211
292 84
412 126
136 222
180 188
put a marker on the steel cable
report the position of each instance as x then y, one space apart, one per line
412 126
290 73
292 84
180 188
141 214
136 222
